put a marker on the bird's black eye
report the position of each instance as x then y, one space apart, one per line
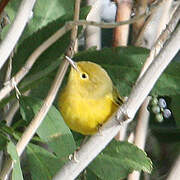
84 76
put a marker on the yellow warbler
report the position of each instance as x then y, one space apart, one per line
89 98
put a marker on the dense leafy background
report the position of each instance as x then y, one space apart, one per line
54 141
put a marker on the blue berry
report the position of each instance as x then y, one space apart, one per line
162 103
167 113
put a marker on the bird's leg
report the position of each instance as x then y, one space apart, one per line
125 115
99 129
83 141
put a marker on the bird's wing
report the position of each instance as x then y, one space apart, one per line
117 99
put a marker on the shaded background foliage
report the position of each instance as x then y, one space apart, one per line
123 64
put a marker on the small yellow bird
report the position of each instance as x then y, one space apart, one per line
89 97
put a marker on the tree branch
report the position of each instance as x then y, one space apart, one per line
140 7
161 40
152 8
93 34
11 39
143 117
99 141
38 119
141 133
31 60
175 171
153 21
121 33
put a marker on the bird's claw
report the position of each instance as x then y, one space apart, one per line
73 157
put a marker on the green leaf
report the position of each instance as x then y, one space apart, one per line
42 164
174 107
44 12
169 82
11 10
16 173
123 73
37 38
118 160
87 174
53 129
3 141
25 110
123 64
90 175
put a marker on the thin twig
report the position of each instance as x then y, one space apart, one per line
121 136
37 120
121 33
31 60
130 138
164 18
140 7
153 21
161 40
12 111
100 140
8 77
113 25
175 171
167 53
141 133
120 38
143 117
11 39
93 34
142 125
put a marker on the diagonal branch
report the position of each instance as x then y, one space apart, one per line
22 18
99 141
161 40
31 60
38 119
23 15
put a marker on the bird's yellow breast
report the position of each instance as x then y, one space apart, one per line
88 99
85 115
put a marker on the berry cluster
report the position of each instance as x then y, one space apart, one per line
159 108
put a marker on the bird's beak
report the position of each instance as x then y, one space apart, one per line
72 63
